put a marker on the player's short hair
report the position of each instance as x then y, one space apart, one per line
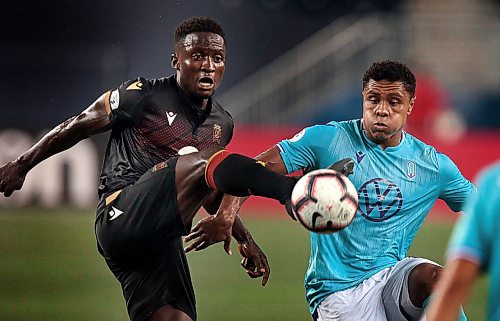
197 24
392 71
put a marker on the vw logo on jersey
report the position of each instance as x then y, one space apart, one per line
379 200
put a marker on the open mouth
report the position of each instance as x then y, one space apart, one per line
206 82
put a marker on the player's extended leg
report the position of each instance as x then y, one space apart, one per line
239 175
198 174
232 174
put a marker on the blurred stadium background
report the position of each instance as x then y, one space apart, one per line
290 64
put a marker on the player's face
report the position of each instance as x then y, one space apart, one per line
199 61
386 105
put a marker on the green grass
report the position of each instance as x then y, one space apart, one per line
50 270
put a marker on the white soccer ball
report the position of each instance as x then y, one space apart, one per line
324 201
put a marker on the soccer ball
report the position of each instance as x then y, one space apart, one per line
324 201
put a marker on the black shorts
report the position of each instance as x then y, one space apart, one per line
139 234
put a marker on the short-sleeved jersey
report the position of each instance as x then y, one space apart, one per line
151 121
397 187
475 236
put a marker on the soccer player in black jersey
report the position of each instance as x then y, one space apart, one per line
147 199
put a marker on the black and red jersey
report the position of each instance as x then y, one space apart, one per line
151 121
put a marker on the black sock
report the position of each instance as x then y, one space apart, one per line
239 175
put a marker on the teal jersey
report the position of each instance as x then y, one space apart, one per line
476 234
397 187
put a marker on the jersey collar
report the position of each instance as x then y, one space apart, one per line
194 112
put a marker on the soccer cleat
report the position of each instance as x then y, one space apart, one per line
344 166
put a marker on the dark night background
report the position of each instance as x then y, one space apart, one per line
56 57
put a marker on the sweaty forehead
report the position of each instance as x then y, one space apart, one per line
385 87
205 40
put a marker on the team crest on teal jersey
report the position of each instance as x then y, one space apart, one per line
411 169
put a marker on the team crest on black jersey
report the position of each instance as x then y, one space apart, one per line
217 134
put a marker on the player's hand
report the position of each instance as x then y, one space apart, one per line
210 230
344 166
11 178
254 261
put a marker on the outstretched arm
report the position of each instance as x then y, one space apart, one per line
254 260
91 121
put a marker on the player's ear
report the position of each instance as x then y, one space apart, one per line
174 61
412 103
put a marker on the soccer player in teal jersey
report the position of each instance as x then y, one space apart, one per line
362 272
474 248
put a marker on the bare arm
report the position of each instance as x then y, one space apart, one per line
91 121
273 160
212 204
254 260
452 290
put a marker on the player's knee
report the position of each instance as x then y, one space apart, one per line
421 282
192 166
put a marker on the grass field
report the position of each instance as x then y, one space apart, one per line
50 271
